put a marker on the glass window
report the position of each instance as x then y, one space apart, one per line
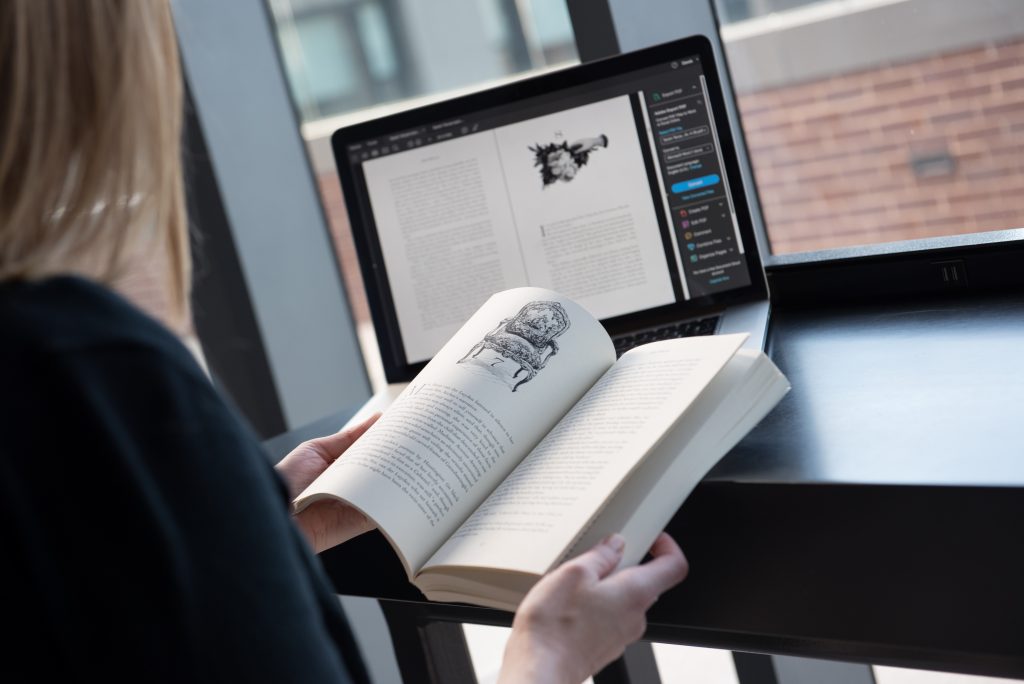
343 56
339 55
326 64
880 120
738 10
350 60
553 31
381 53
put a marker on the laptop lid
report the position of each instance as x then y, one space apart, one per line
614 182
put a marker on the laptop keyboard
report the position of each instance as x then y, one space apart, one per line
701 326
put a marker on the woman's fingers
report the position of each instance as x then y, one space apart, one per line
667 568
332 446
604 557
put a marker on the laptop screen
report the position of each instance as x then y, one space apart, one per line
612 190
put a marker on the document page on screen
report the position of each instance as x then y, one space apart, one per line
561 201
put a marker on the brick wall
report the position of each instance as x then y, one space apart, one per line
833 157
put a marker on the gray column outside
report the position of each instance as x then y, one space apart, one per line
242 104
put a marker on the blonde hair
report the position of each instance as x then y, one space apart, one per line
90 124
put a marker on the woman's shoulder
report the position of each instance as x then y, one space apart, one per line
67 316
81 360
80 354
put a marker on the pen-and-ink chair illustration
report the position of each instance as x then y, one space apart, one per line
526 342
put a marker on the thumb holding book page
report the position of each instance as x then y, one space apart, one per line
580 616
330 522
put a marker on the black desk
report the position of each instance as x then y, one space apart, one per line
877 515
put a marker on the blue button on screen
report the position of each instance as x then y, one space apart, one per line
694 183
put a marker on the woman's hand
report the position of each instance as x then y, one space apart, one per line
580 617
325 523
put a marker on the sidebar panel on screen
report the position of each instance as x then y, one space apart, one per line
696 192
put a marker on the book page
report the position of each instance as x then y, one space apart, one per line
468 418
536 513
736 400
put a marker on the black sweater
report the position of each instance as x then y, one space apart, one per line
145 533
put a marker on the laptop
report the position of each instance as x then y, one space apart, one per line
615 183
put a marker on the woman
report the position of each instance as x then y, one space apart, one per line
146 534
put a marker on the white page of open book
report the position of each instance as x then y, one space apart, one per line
534 515
647 501
459 428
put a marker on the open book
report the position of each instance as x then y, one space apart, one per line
524 442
